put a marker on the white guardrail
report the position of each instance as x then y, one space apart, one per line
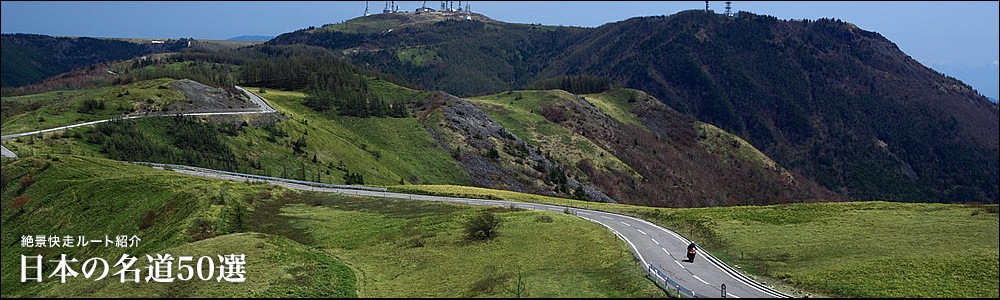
264 178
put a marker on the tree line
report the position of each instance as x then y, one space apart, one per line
332 84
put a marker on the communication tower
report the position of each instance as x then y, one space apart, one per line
706 7
366 9
729 8
388 8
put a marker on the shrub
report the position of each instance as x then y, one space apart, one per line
26 181
482 227
19 202
493 153
147 220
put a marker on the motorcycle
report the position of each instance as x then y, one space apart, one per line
691 253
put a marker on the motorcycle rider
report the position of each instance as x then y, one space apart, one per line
691 251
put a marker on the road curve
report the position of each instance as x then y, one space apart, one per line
662 251
6 152
264 108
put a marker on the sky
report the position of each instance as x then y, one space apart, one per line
958 38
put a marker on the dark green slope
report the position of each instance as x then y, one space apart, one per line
31 58
830 100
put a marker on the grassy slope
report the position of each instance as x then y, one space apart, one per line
275 267
375 237
404 149
402 248
615 104
519 112
54 109
95 197
853 249
734 148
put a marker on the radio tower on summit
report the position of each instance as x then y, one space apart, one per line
729 8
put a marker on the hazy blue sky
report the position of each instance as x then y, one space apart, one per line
956 38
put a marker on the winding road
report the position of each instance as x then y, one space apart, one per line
661 251
264 108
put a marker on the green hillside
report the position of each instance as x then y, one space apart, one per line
59 108
170 213
296 244
384 151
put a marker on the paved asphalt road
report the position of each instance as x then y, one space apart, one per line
653 245
7 153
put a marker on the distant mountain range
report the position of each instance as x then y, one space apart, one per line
251 38
836 103
31 58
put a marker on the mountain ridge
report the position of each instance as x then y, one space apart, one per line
818 96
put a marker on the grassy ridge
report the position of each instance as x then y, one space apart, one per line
853 249
403 248
54 109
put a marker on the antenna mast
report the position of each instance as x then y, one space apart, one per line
729 8
366 9
706 7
